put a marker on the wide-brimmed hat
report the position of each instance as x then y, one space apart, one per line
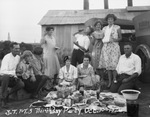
112 16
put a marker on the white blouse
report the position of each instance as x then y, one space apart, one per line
68 75
110 33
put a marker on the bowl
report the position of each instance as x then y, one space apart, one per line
130 94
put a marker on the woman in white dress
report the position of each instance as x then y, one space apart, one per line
50 57
67 76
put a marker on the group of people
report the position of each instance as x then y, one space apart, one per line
106 51
81 71
22 71
105 55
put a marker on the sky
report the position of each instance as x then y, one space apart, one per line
20 18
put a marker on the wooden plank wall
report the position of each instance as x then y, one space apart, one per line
64 38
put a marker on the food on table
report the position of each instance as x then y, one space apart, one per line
99 104
67 102
59 101
120 104
64 83
91 100
59 94
52 95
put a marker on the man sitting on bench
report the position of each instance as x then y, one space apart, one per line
127 71
8 76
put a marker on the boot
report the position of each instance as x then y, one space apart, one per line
4 105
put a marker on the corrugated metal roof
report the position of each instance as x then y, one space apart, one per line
61 17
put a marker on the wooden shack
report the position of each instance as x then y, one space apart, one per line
67 22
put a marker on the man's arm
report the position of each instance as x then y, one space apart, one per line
135 75
138 65
137 70
4 64
87 43
82 48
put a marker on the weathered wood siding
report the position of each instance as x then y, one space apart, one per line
64 38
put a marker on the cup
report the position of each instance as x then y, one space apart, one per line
132 108
82 92
97 94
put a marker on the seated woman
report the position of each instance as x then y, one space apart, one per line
86 76
33 83
67 75
38 61
39 67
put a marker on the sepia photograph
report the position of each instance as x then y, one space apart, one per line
77 58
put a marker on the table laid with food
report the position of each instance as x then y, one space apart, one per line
85 102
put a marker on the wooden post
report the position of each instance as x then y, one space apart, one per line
86 4
130 3
106 4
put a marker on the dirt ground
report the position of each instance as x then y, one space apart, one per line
21 108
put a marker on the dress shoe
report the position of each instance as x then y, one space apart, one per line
4 105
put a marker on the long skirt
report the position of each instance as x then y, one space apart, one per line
96 53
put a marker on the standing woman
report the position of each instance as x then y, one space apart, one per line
97 44
111 50
50 57
81 45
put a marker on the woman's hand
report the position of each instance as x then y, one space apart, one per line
25 76
43 41
19 71
32 79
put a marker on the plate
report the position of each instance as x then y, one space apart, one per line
78 104
119 103
38 104
64 83
91 100
113 107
